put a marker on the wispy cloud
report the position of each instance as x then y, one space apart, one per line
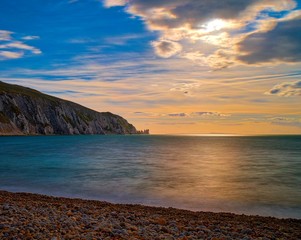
10 48
185 114
81 40
125 39
20 46
210 114
10 55
176 115
286 89
5 35
30 37
189 89
114 3
286 121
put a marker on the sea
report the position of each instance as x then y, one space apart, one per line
257 175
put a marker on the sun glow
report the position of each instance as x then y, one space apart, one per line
214 25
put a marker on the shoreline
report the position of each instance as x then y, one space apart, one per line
28 216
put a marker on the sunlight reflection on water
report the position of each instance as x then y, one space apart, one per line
252 175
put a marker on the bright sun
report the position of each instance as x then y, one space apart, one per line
214 25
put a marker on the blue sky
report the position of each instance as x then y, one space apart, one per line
67 30
194 66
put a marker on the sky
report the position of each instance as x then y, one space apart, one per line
171 66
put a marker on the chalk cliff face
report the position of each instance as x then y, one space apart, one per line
24 111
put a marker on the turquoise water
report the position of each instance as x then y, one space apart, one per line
251 175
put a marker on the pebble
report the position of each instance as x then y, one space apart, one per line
5 206
31 216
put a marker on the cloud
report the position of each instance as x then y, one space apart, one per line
10 48
10 55
21 46
184 114
280 44
114 3
176 123
286 121
188 89
30 37
219 33
5 35
286 89
123 40
177 115
210 114
188 14
166 48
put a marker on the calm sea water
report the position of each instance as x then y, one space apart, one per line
251 175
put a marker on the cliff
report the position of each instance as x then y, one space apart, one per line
25 111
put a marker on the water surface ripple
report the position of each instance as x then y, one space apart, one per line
251 175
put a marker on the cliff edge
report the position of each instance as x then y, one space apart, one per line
25 111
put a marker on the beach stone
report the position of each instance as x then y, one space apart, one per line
6 206
246 238
247 231
48 219
2 226
165 229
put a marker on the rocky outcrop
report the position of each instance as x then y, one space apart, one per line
24 111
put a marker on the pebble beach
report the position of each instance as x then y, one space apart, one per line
33 216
